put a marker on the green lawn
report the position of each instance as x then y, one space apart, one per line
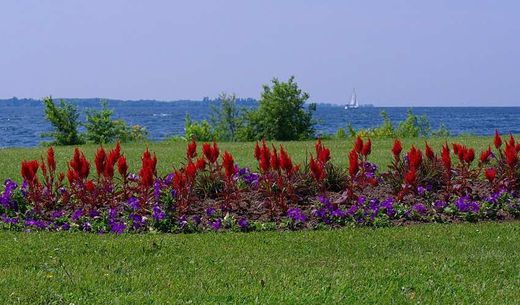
422 264
172 154
425 264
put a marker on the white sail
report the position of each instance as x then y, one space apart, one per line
353 101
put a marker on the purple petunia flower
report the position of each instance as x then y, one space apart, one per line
196 219
216 225
157 213
421 190
420 209
57 214
133 203
296 215
210 211
77 214
243 223
440 204
117 227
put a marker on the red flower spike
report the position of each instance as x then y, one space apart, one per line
285 161
229 164
51 160
498 140
429 152
191 150
512 140
367 148
353 163
258 152
275 164
318 147
358 145
411 177
511 155
490 174
29 170
316 169
415 158
201 163
122 166
100 161
397 148
446 158
90 186
469 155
191 171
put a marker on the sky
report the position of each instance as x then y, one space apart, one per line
394 53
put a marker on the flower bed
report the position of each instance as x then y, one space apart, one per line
211 192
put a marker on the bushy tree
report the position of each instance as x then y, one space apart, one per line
101 128
225 118
281 114
200 131
64 120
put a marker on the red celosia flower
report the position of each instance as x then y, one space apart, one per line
90 186
353 163
211 152
397 148
358 145
191 171
122 166
148 168
485 155
229 164
446 158
511 155
275 164
50 159
179 180
367 148
100 160
490 174
429 152
322 153
318 147
414 158
258 151
498 140
512 140
456 148
80 164
191 150
72 175
29 170
201 163
410 177
316 169
285 161
469 155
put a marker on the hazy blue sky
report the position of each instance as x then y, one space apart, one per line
393 52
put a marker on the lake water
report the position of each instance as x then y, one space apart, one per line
22 123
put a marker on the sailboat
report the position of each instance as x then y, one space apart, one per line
353 104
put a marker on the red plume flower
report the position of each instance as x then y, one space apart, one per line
353 163
258 151
191 149
367 148
90 186
397 148
201 163
50 159
410 177
429 152
414 158
469 155
285 161
191 171
511 155
316 169
29 170
358 145
490 174
100 160
122 166
229 164
485 155
446 158
498 140
275 164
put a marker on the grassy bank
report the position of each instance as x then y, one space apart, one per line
170 154
423 264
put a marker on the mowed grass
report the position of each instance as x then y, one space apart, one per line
422 264
172 154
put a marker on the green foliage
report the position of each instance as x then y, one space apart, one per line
101 128
64 120
226 120
280 115
200 131
412 127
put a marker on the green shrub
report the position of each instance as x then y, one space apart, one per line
64 120
101 128
280 115
200 131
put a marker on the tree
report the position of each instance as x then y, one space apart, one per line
64 120
281 114
226 119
